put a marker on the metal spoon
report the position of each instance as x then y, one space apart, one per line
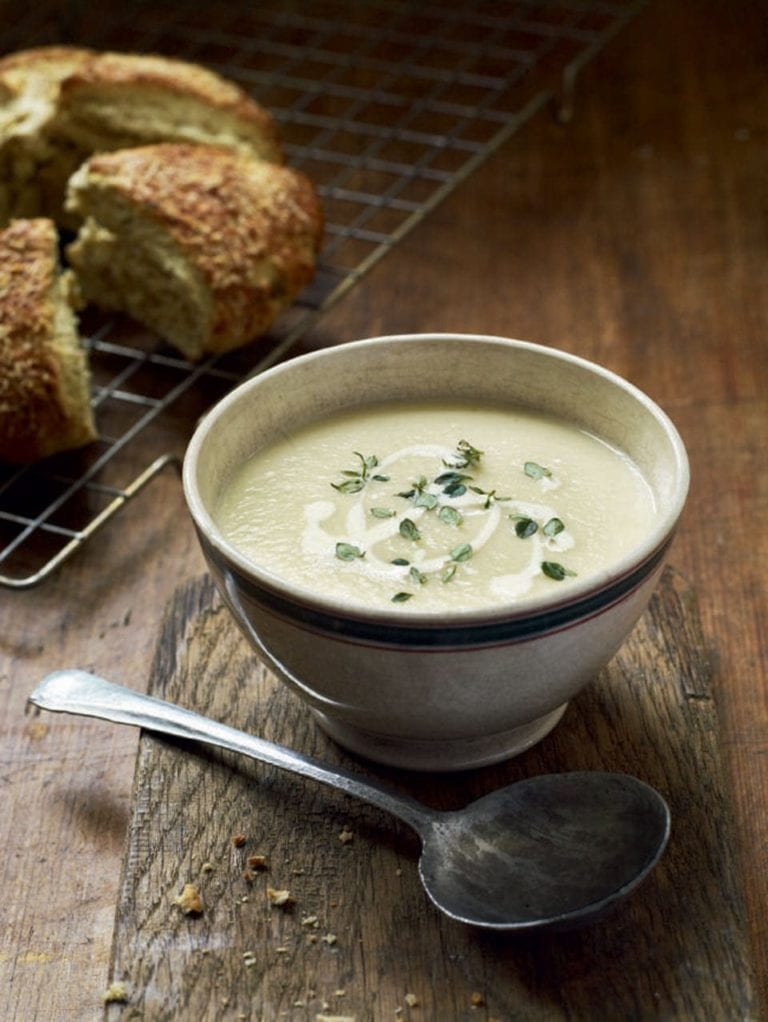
550 851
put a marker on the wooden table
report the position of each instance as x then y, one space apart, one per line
635 235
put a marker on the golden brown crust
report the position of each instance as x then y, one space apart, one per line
122 73
49 59
44 399
250 229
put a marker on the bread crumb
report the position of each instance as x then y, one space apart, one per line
189 901
238 840
411 1000
280 898
116 993
256 862
207 867
477 1000
346 836
335 1018
329 938
36 730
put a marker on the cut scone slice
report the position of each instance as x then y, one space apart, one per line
44 377
204 245
59 105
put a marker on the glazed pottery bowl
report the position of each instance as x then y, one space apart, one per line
462 688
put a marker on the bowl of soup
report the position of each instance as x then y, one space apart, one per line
436 540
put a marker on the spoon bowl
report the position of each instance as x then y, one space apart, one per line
559 848
549 852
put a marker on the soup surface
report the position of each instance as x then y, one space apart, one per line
437 507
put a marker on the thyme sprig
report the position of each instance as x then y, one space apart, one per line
454 482
357 478
466 456
491 496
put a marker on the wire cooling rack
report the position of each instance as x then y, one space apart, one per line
386 105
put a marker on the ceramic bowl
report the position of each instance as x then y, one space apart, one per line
460 689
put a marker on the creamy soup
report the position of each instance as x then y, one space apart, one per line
435 507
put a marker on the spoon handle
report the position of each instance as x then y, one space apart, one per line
86 694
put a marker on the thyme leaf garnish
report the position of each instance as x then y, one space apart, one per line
382 512
418 576
461 553
401 562
556 571
450 515
449 572
553 527
450 477
427 500
401 597
353 485
535 471
348 552
524 526
408 530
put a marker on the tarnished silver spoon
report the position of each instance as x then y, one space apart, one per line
551 851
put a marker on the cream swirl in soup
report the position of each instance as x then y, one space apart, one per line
435 507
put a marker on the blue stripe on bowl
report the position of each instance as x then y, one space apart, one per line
403 635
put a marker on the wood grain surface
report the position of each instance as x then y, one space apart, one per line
359 938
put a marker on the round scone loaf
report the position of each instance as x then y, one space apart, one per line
59 105
44 379
202 244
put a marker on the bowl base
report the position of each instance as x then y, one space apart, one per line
440 753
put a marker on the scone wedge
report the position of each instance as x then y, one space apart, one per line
44 378
202 244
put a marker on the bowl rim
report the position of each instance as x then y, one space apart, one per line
580 592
